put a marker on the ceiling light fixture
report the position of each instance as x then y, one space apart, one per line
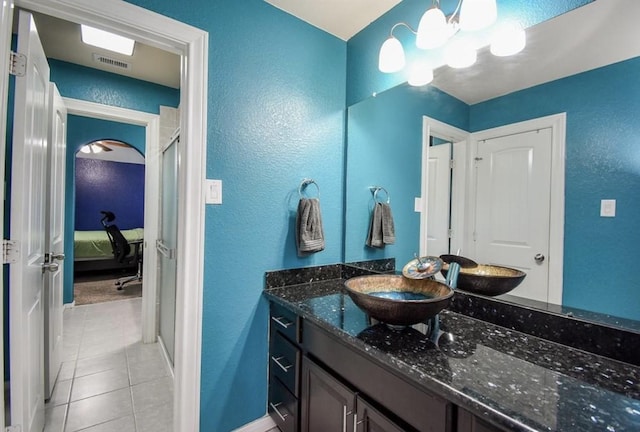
435 30
109 41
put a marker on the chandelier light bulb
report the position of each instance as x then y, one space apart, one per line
508 39
391 57
433 30
85 149
460 54
421 74
477 14
96 148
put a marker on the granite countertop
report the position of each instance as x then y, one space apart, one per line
516 380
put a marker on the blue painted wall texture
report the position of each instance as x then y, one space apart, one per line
385 139
602 162
363 76
112 186
276 115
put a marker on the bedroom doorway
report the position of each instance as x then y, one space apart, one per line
109 178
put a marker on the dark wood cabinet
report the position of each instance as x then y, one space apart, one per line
467 422
369 419
327 404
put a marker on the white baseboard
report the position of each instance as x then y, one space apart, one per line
166 356
69 305
263 424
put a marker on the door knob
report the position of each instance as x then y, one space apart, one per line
50 267
539 258
57 256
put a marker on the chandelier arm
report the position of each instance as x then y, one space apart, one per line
415 32
455 12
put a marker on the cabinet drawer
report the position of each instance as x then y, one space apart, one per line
285 321
283 406
284 361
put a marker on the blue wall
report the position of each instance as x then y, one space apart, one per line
384 139
276 114
363 76
81 131
113 186
602 162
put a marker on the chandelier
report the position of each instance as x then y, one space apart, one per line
454 35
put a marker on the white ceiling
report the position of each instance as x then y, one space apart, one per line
118 153
61 40
341 18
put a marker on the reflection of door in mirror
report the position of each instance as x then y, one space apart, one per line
513 183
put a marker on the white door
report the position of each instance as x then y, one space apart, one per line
54 239
167 245
27 219
438 199
513 207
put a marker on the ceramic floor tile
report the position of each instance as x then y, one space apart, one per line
147 371
152 394
99 409
60 395
124 424
66 370
54 418
156 419
98 383
91 365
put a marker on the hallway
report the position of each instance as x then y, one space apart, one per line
109 380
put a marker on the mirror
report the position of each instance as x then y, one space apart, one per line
601 101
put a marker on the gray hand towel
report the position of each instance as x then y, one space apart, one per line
381 229
309 231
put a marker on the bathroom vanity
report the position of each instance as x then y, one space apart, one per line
332 368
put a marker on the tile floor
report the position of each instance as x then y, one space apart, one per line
109 380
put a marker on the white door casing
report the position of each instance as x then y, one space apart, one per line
28 198
513 181
192 44
54 238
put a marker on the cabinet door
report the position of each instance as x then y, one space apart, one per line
467 422
369 419
327 405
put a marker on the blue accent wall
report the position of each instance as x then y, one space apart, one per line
385 139
602 162
363 76
276 114
79 82
113 186
81 131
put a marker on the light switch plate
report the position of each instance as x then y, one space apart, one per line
213 191
608 208
417 205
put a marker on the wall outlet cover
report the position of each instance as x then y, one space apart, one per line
608 208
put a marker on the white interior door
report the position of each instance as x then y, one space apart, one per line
54 239
27 220
167 245
513 207
438 199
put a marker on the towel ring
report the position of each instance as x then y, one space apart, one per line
306 182
375 194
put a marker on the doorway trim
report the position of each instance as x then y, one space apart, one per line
192 44
557 123
151 123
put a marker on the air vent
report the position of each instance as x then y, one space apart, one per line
98 58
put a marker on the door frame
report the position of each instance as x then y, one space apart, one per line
151 123
557 123
436 128
192 44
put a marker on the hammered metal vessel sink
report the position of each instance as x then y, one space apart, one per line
397 300
489 280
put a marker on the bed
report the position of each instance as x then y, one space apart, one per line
92 250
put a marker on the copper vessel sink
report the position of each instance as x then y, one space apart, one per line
489 280
397 300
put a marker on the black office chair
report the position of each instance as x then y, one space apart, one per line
121 248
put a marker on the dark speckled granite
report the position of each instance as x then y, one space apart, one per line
575 330
509 378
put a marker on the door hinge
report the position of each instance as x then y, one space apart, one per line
17 64
16 428
452 164
450 233
475 236
10 252
477 159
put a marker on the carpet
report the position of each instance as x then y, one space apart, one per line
104 290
